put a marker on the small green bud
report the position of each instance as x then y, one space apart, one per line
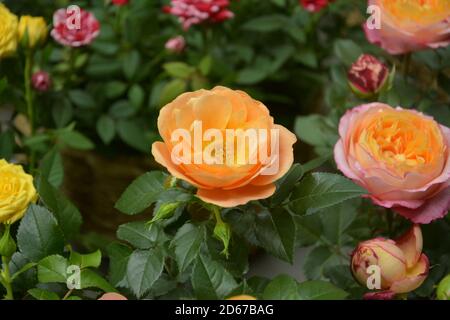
165 211
443 289
7 244
222 231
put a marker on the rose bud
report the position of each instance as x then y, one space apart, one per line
120 2
443 289
400 156
112 296
401 264
72 35
314 5
176 44
41 81
32 31
407 26
367 76
242 297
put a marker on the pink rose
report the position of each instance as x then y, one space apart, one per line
66 32
417 25
176 44
402 157
191 12
41 81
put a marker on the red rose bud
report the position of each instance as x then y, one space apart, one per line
367 76
120 2
314 5
41 81
176 44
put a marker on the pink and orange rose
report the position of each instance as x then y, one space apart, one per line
227 184
402 157
411 25
402 265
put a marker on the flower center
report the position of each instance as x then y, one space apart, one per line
403 140
416 11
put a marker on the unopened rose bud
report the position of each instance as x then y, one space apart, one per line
443 289
242 297
400 265
112 296
41 81
368 76
32 31
120 2
176 44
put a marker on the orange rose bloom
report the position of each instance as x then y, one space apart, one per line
230 182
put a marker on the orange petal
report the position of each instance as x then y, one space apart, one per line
286 155
236 197
411 244
414 277
112 296
213 110
162 156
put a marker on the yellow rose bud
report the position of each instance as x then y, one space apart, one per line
242 297
16 192
391 266
8 29
32 31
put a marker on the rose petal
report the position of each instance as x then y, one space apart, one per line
414 278
411 244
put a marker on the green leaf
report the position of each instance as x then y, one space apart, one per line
122 109
286 184
82 99
320 290
139 234
52 168
106 128
135 135
210 280
266 23
317 261
187 243
178 69
136 95
90 279
337 220
53 269
76 140
171 90
322 190
308 230
93 259
282 287
39 234
131 63
316 130
68 216
275 232
118 254
142 193
7 144
347 51
41 294
144 268
205 65
115 89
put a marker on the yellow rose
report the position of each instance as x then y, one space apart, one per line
16 192
8 32
34 28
